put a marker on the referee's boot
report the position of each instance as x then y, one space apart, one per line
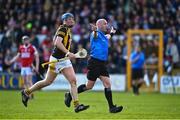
81 107
25 98
68 99
116 109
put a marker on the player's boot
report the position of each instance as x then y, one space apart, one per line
25 98
116 109
68 99
81 107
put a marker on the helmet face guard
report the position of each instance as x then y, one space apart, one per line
25 37
25 40
65 16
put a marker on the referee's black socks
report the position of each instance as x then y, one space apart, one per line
108 94
82 88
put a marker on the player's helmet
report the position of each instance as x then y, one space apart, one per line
25 37
65 16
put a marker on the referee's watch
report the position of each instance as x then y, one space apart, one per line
111 34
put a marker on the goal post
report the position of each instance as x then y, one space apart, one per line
159 66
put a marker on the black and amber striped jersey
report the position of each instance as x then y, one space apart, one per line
64 32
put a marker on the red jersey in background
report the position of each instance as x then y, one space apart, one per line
27 55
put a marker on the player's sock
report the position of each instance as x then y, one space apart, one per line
108 94
27 91
82 88
76 103
139 85
134 89
68 97
137 90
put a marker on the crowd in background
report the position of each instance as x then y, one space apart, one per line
40 18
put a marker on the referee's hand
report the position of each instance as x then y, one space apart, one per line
93 27
112 30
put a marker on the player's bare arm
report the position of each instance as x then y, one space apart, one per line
14 59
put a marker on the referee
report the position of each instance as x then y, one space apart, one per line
97 64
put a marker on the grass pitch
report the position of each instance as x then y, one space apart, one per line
50 105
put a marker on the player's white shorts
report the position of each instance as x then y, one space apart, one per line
26 71
57 67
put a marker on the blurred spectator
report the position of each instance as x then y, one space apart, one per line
46 47
34 40
5 42
1 62
172 54
124 56
152 59
47 43
7 58
38 17
46 54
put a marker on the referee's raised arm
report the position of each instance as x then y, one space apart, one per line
94 28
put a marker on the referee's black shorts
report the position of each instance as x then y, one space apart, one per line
96 68
137 74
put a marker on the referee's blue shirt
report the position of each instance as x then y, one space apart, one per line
99 46
140 62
